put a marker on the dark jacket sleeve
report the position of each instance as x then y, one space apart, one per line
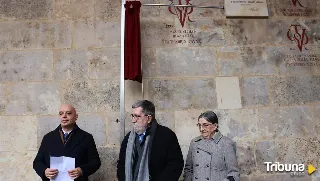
93 159
39 162
175 162
122 158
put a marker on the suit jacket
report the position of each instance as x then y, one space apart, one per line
166 160
80 146
212 160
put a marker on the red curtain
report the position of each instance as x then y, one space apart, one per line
132 51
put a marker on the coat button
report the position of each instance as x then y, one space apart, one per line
197 165
207 165
207 178
197 151
196 177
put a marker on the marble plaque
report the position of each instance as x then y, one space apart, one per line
246 8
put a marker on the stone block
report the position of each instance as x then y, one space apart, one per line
185 125
107 9
84 34
113 129
74 9
26 9
92 96
180 94
108 34
265 32
316 113
70 64
238 124
21 163
286 122
45 125
228 93
157 33
33 98
19 35
29 65
55 34
294 90
3 100
133 92
186 62
246 158
255 91
301 8
107 171
149 62
18 133
207 32
166 119
266 151
202 13
237 61
104 64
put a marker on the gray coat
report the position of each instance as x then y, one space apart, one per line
213 160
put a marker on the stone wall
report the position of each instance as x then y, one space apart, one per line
264 88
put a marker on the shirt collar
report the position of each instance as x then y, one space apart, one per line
216 137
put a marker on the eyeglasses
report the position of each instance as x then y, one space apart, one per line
137 116
204 126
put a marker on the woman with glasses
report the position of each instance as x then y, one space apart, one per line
211 155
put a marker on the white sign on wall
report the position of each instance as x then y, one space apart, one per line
246 8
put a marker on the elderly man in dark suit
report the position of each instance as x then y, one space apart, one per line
150 152
70 141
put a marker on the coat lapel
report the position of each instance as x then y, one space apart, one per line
74 140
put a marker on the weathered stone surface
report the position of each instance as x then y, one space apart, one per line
104 64
247 61
92 96
207 32
245 158
156 33
180 94
24 35
21 66
113 128
2 98
316 113
108 34
108 9
301 8
13 138
56 34
21 163
166 119
149 62
46 124
200 13
255 91
186 62
286 122
133 92
294 90
185 125
33 98
228 93
238 124
70 64
74 9
84 34
107 171
26 9
296 151
265 31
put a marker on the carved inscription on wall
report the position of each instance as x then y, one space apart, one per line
180 36
246 8
302 60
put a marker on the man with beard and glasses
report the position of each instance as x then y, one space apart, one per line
70 141
150 152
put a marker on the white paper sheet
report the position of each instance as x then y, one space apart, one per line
63 164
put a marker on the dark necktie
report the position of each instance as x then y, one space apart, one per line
65 136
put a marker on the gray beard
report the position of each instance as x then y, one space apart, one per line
139 129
